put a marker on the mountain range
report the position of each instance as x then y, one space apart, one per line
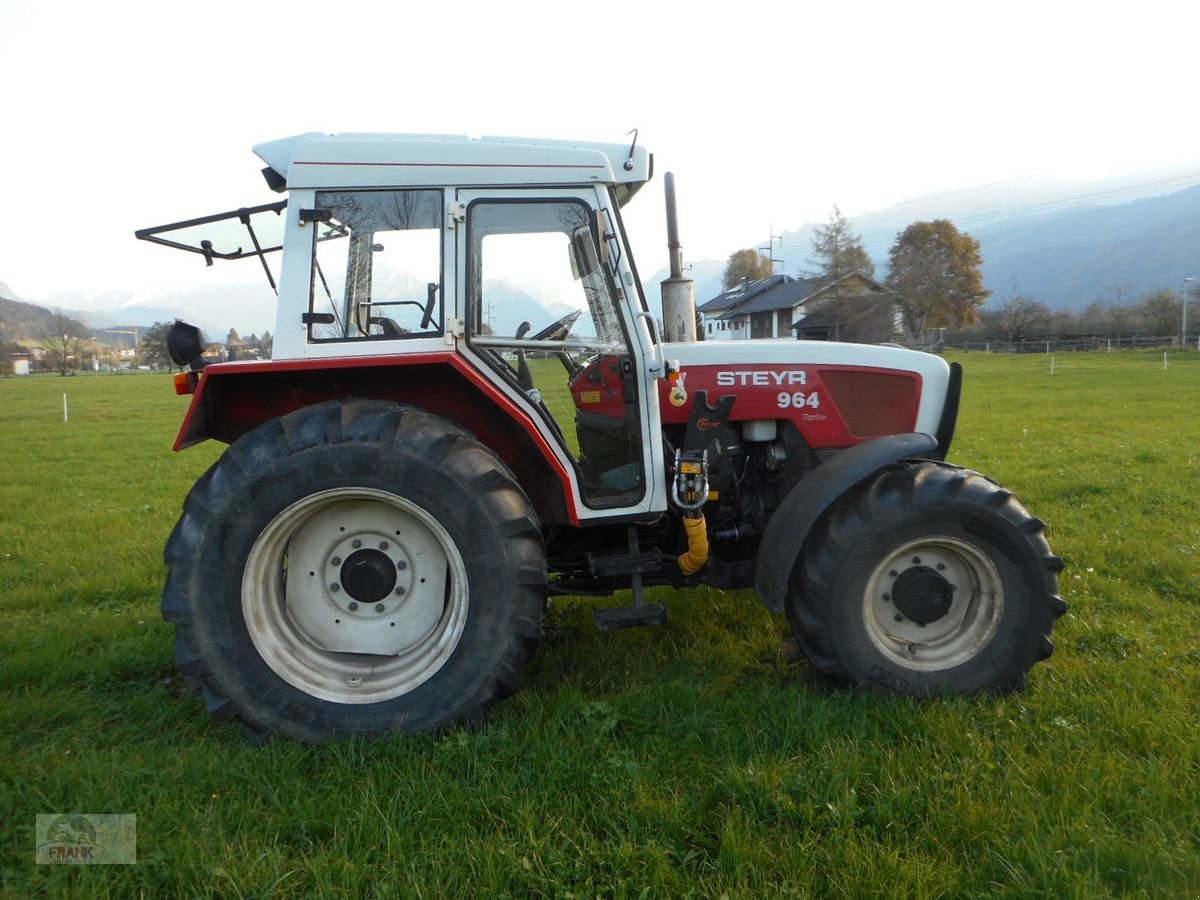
1063 244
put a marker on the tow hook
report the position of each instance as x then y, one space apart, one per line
689 491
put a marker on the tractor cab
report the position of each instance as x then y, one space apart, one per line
507 253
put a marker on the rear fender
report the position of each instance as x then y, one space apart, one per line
790 523
233 398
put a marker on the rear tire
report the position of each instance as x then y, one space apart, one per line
928 579
355 568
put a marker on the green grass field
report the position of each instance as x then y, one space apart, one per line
693 760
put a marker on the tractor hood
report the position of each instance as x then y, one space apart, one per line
837 394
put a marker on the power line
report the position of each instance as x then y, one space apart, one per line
966 190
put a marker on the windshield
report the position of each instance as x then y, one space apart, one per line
228 235
249 231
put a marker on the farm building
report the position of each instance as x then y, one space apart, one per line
852 308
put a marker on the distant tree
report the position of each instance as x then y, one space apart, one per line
233 344
1114 295
1061 323
1091 319
935 269
153 343
838 251
6 365
1160 312
745 264
62 338
265 344
1020 317
1119 318
1114 309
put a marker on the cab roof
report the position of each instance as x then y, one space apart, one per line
316 160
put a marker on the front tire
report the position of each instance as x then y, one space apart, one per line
928 579
355 568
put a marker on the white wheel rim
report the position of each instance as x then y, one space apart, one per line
933 603
354 595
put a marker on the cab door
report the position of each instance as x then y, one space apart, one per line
544 318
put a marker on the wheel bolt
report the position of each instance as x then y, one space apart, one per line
336 561
399 592
402 565
354 681
335 587
353 607
897 617
893 573
916 560
378 607
941 567
887 598
383 545
356 543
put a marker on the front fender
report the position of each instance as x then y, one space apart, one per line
790 523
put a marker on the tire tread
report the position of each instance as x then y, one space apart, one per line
394 429
925 484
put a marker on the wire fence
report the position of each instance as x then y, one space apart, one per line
1071 344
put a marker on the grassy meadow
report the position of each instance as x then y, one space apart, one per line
697 759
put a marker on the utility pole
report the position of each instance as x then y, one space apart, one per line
770 249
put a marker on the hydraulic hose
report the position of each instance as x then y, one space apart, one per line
697 553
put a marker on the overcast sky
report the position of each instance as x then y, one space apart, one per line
119 115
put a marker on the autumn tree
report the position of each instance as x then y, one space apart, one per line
935 269
746 264
838 251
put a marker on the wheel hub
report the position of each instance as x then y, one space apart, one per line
932 603
364 574
368 575
922 595
365 578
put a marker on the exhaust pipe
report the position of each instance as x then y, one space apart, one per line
678 293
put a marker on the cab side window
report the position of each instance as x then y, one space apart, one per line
377 266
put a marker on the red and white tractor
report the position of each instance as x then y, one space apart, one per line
470 408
